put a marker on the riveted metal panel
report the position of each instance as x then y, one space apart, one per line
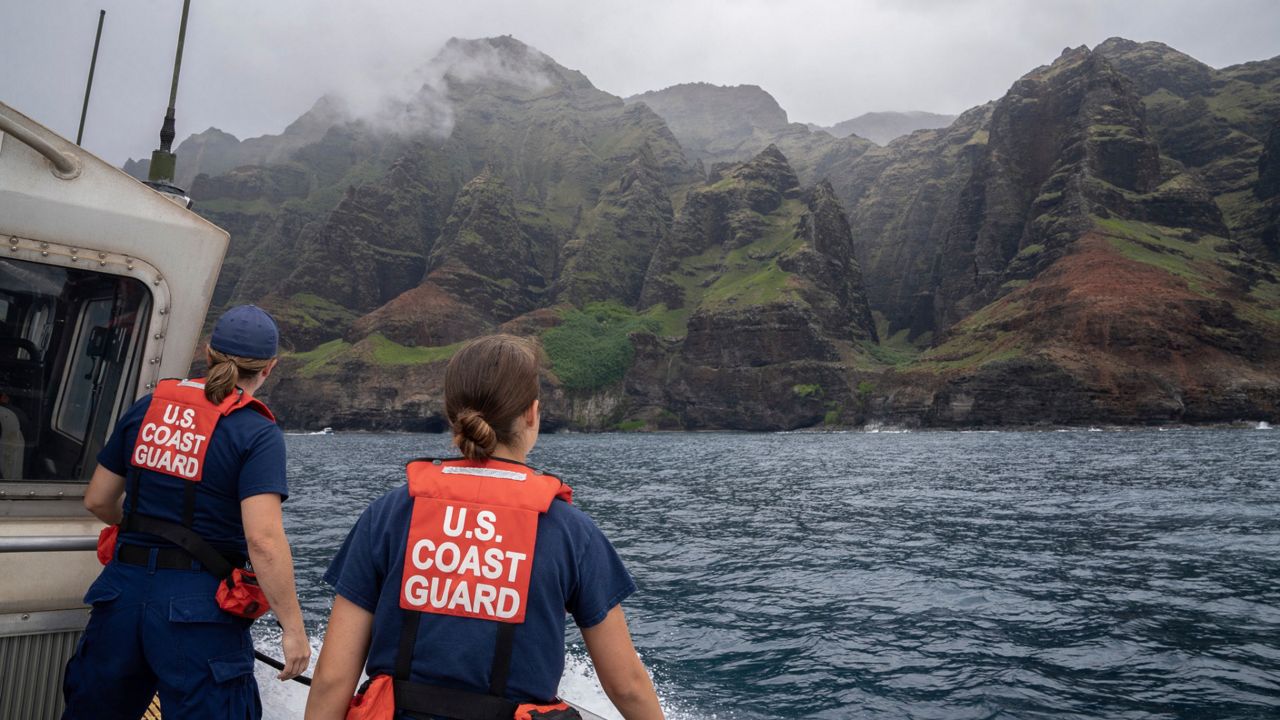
108 221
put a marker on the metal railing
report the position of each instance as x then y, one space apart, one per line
65 165
48 543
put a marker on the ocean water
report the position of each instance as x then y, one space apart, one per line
1128 574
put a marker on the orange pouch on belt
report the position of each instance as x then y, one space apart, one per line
375 701
554 711
240 595
107 543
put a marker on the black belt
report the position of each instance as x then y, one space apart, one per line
167 558
422 701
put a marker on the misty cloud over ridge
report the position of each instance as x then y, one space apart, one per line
420 101
250 69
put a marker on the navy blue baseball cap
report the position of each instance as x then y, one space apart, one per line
246 331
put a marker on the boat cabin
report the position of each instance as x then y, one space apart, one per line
104 288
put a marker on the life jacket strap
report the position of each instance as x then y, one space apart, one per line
189 504
409 622
135 481
184 537
414 697
503 645
181 535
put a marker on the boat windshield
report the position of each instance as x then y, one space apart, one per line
70 355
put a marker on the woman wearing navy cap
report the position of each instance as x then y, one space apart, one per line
452 590
193 475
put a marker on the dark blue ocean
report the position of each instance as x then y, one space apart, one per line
1126 574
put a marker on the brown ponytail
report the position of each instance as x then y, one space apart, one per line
489 383
226 371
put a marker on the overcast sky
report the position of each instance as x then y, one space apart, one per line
251 67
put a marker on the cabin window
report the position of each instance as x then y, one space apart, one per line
70 356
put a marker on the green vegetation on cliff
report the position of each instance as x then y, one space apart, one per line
983 337
669 323
309 312
805 390
750 275
731 241
388 352
591 348
895 348
375 350
1193 257
320 358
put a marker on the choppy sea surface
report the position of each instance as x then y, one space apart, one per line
1131 574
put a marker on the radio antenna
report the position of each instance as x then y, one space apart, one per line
88 87
163 161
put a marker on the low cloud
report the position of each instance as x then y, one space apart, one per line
422 101
252 68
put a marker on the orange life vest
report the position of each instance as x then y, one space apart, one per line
472 535
173 439
175 432
469 554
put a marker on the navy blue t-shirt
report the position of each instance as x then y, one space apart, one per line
575 570
245 457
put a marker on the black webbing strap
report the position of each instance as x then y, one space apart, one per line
502 647
135 479
181 535
188 507
184 538
189 504
409 620
426 699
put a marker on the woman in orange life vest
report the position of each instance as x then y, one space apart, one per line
193 475
452 590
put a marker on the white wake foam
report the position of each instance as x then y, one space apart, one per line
578 685
280 700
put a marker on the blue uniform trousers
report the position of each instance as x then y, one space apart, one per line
159 630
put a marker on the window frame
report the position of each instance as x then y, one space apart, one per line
146 368
126 382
